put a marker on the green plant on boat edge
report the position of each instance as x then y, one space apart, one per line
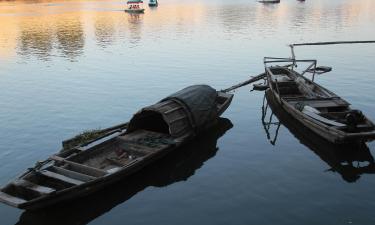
82 138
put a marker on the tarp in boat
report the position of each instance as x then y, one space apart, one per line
184 112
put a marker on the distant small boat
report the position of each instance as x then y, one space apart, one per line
269 1
153 3
135 6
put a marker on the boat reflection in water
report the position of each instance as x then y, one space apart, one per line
350 160
177 166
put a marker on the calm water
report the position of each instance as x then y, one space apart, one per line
68 66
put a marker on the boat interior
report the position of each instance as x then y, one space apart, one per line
300 92
95 162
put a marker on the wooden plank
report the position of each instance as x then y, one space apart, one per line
35 187
11 200
141 148
138 148
322 119
173 109
61 177
178 119
322 103
91 171
71 174
140 134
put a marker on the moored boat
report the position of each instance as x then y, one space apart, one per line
269 1
153 132
350 160
317 108
153 3
175 167
134 6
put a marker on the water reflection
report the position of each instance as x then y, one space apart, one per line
135 21
236 19
177 166
36 38
40 36
104 30
70 37
350 160
299 18
47 27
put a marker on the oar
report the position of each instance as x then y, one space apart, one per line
251 80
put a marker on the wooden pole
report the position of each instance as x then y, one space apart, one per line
251 80
333 43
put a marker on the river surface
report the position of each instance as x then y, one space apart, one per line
69 66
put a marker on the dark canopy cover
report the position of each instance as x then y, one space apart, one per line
200 100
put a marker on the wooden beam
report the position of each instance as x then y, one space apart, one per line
334 43
71 174
34 187
11 200
63 178
81 168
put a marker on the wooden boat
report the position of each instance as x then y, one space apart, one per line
177 166
134 6
317 108
350 160
269 1
153 132
153 3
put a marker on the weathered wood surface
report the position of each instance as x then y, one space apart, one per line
35 187
61 177
90 136
81 168
11 200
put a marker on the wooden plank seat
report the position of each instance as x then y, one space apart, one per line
71 173
34 187
60 177
287 84
322 103
80 168
10 199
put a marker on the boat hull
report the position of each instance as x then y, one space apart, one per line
332 135
269 1
87 168
135 11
